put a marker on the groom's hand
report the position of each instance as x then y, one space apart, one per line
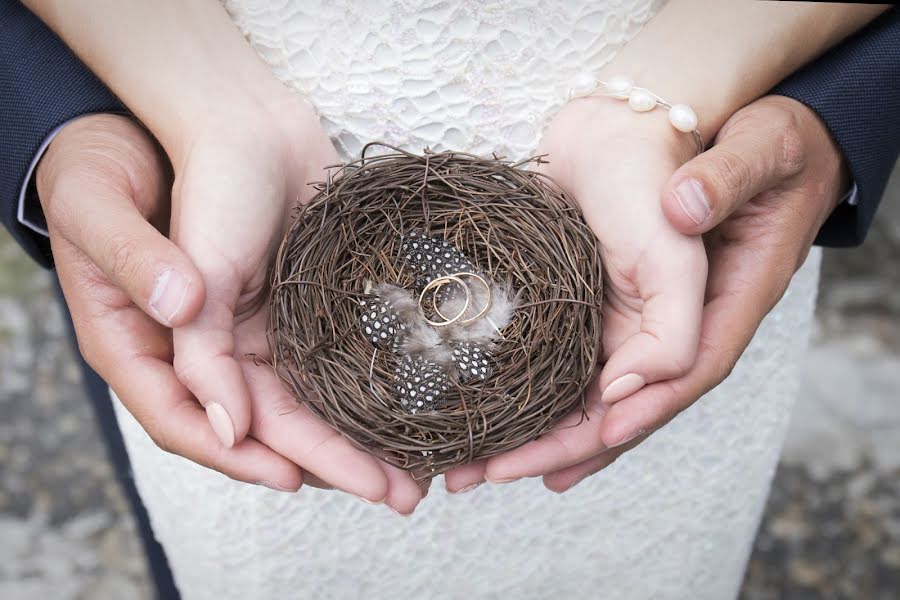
765 189
104 187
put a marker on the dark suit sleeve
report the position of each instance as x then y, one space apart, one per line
42 85
855 89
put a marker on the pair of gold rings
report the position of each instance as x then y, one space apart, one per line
457 278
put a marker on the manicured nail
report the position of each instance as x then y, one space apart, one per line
221 424
395 511
622 387
628 438
468 488
277 487
168 295
692 200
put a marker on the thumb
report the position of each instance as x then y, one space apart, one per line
748 159
138 259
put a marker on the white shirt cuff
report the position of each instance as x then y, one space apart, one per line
26 214
852 197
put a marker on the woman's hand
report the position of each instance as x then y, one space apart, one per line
238 177
614 162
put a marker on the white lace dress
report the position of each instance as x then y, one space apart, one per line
674 518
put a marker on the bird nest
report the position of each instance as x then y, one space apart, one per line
437 309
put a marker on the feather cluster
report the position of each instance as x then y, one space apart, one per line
431 356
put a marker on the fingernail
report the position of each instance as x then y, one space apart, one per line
627 438
622 387
278 488
168 295
505 480
468 488
692 200
221 424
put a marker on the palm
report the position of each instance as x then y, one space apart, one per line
232 205
654 277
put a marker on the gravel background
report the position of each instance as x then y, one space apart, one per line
831 529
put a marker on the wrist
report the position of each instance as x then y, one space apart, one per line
612 122
75 136
277 120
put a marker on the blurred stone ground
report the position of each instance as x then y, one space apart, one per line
831 529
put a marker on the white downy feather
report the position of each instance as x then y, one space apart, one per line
486 328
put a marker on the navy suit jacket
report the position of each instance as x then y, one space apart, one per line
855 88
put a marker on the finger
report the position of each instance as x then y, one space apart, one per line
131 352
465 478
741 291
310 480
565 479
751 155
205 361
404 494
745 284
666 344
150 269
574 439
177 424
296 433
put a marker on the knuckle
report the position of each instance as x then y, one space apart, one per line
184 368
122 254
263 420
790 145
732 174
723 367
88 351
158 434
681 360
722 361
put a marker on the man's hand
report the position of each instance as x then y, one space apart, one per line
104 187
762 193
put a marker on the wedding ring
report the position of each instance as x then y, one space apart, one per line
458 276
437 283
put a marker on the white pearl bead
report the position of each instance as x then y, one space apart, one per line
619 86
683 118
641 100
582 84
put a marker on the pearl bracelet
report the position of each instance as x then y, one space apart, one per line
681 116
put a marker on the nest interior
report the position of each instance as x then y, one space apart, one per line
516 226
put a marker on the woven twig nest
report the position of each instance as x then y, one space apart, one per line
394 247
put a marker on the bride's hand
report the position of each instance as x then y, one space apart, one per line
615 162
238 176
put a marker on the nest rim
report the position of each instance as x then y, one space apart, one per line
521 228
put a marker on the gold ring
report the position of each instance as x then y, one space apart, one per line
458 277
437 283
